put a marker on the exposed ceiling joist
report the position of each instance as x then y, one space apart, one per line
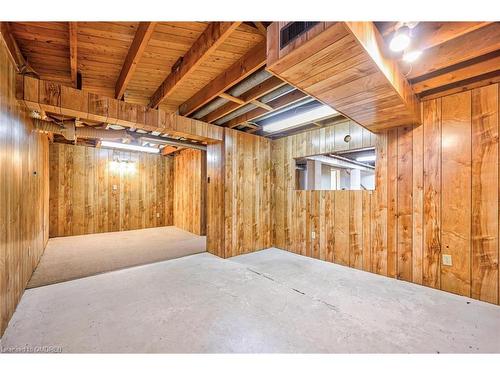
246 65
260 26
232 98
270 84
468 46
432 34
261 105
275 104
73 51
13 50
141 39
460 72
214 35
460 86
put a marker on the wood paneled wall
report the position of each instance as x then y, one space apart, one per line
215 199
89 195
190 174
239 169
338 218
436 193
24 193
247 210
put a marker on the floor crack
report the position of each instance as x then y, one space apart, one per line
327 304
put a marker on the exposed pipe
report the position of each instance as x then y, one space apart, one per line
71 132
67 131
171 142
89 132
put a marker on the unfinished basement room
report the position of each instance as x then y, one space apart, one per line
193 186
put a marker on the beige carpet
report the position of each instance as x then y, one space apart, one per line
68 258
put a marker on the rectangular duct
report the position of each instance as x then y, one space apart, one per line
292 31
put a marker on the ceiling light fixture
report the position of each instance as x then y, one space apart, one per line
125 146
411 56
122 166
366 158
401 39
302 118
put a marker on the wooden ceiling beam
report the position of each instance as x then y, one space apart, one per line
246 65
260 26
58 99
468 46
275 104
461 86
13 49
167 150
73 51
214 35
459 73
263 88
139 44
432 34
232 98
261 105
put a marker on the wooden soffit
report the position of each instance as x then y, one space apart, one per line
344 65
48 96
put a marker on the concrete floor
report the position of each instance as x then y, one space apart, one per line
68 258
269 301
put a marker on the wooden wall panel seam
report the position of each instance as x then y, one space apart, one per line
76 183
24 188
442 169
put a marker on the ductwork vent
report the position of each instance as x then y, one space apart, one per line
293 30
67 130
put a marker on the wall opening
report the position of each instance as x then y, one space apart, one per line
342 170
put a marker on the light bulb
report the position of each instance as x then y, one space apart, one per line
412 55
401 39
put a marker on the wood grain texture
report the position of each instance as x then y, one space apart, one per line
190 169
247 187
134 54
215 199
456 192
418 203
485 194
404 203
465 47
90 194
344 64
379 209
73 51
239 216
392 202
212 37
432 193
341 232
242 68
56 98
24 189
103 47
436 192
